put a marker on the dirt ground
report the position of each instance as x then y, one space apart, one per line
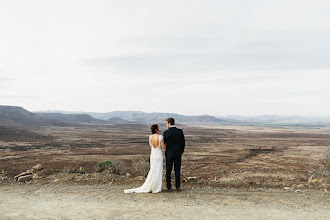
108 201
238 156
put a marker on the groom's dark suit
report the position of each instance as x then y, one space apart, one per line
175 144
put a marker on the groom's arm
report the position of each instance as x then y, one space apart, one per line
183 143
165 137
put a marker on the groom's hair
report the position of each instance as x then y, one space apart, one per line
171 121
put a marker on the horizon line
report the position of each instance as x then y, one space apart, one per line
213 115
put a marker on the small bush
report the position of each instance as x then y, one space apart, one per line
79 170
105 165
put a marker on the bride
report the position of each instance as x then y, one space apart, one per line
154 179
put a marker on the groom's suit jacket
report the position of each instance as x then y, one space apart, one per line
175 142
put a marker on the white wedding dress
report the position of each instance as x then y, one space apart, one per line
154 179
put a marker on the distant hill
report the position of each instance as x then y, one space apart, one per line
14 116
149 118
83 119
15 134
139 117
266 118
278 120
116 120
73 118
9 123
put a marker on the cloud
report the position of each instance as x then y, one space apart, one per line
217 56
269 50
5 79
20 97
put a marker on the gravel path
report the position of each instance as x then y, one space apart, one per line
64 201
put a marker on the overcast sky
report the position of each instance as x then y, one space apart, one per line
189 57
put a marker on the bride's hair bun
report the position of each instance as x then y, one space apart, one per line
153 128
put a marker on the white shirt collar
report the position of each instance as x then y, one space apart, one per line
172 126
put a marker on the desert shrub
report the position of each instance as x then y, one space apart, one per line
140 166
105 165
79 170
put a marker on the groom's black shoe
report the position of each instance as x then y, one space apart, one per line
178 189
170 190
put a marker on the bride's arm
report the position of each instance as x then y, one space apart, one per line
163 143
150 140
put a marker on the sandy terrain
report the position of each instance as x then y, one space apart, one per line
104 201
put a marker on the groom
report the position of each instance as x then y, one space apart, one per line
175 144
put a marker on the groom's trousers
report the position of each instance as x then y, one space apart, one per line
170 160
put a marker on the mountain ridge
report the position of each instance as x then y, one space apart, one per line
72 118
147 118
16 115
144 117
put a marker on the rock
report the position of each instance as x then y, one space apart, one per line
22 174
286 188
325 190
301 186
316 181
36 176
38 167
191 178
27 173
31 171
2 178
310 178
128 174
214 180
139 178
298 191
25 178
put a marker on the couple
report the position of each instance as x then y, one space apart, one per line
174 143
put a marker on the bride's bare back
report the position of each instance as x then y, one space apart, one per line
154 140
